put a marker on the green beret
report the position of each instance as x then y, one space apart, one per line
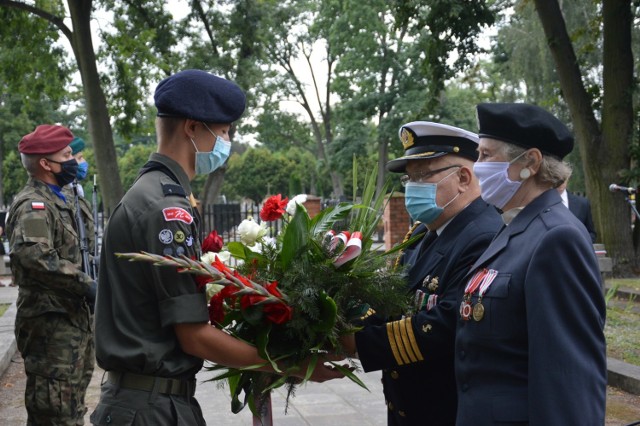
77 145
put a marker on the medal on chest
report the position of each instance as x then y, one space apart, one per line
480 281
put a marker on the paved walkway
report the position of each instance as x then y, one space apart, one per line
338 402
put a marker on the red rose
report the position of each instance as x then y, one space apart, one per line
273 208
213 243
277 313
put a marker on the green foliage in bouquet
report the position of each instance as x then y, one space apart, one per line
327 300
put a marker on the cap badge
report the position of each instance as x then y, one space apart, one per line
407 138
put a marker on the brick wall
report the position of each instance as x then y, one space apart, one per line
396 220
312 205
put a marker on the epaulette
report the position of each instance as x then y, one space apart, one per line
173 189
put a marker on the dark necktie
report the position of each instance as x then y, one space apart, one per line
428 240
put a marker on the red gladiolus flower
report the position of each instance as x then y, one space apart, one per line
203 280
216 309
278 313
271 288
213 243
273 208
249 300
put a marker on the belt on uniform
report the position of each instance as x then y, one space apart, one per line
146 383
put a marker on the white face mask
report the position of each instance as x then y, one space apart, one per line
495 186
207 162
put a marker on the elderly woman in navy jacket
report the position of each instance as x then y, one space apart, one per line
530 347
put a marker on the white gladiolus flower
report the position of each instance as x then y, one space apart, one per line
213 289
298 199
208 257
250 231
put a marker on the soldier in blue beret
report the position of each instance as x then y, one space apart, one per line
152 324
530 347
53 325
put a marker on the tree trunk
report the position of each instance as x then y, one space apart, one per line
604 152
96 104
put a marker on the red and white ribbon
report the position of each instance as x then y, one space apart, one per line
353 247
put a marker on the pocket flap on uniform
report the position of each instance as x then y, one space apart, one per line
499 288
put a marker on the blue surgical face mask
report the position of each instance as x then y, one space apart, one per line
495 186
83 170
420 200
207 162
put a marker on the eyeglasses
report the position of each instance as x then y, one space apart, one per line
423 176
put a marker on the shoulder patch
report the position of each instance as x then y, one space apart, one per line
177 213
173 189
37 205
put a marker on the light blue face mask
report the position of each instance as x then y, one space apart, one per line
420 200
207 162
83 170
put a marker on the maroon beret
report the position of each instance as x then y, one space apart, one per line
45 139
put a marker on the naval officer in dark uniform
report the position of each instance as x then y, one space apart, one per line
152 330
443 196
530 347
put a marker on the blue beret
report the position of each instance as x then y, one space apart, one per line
77 145
200 96
525 125
45 139
423 139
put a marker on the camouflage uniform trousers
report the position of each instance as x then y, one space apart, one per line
58 361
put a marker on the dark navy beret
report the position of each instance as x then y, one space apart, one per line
423 139
45 139
525 125
201 96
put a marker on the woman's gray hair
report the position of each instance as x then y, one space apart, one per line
552 170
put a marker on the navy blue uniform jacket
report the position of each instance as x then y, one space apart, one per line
416 352
538 354
581 208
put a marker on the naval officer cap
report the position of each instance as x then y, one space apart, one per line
201 96
45 139
423 140
525 125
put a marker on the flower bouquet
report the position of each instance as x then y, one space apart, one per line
294 295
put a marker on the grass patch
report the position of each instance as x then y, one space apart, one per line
621 330
633 283
3 308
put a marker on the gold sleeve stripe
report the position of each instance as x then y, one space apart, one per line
397 330
405 329
414 344
392 343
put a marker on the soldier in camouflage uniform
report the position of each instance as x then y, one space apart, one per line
53 324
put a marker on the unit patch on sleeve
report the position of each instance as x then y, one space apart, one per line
166 236
177 213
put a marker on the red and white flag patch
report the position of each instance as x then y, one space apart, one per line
37 205
177 213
